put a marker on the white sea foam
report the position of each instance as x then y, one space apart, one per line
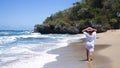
6 39
10 39
34 62
31 55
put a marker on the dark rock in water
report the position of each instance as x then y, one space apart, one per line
71 29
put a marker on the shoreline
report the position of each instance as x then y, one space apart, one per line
74 55
69 57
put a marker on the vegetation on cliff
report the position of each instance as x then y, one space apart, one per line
104 14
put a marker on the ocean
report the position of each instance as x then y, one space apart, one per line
24 49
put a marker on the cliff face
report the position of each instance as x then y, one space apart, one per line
62 29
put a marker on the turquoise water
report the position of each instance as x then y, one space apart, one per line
22 47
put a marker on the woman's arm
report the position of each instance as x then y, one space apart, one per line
84 30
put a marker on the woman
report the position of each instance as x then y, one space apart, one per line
90 34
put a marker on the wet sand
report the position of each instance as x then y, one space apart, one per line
106 54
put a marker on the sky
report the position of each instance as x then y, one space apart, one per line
24 14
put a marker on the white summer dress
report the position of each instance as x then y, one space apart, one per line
90 40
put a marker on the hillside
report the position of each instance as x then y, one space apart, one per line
100 14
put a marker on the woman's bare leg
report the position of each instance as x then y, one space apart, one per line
90 56
87 54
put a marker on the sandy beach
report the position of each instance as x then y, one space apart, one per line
106 54
111 38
